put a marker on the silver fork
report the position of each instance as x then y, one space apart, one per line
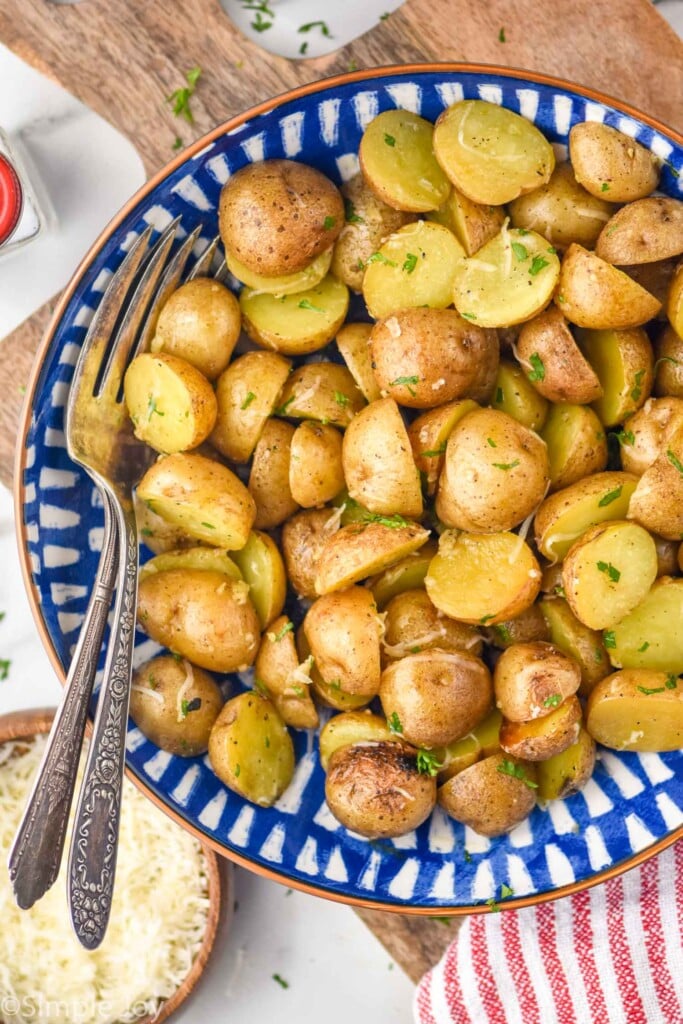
100 439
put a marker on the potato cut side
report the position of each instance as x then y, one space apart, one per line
491 154
414 267
483 579
363 549
576 442
285 284
637 709
566 515
214 559
407 574
541 738
352 342
261 565
321 391
592 293
353 727
246 393
651 636
623 362
514 394
295 324
473 224
569 771
508 280
172 405
398 162
584 645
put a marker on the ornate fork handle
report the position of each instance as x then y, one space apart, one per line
94 842
36 853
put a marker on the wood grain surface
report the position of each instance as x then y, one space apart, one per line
123 57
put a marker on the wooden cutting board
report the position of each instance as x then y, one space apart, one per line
122 57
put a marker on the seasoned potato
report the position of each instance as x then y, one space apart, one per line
657 502
203 615
594 294
250 749
303 538
483 579
515 395
481 742
412 625
526 628
491 154
171 404
343 631
656 278
174 704
352 727
510 279
376 790
261 565
473 224
269 475
398 163
378 463
362 549
295 324
623 363
247 393
637 709
674 304
428 435
567 772
200 323
414 267
643 232
667 556
437 696
407 574
532 679
582 644
495 473
647 433
576 442
541 738
650 637
669 364
275 217
491 796
285 284
611 165
286 681
155 532
554 362
562 211
202 497
315 467
191 558
368 222
567 514
608 571
321 391
353 344
423 357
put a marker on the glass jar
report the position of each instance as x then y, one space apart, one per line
22 213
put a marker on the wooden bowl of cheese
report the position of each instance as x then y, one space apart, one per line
164 915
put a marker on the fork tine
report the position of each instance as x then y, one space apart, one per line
222 273
203 265
96 340
168 284
126 334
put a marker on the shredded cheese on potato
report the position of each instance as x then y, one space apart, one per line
184 690
157 924
147 691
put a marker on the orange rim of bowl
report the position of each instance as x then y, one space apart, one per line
230 125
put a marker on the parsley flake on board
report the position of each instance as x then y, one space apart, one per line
178 143
394 723
515 771
609 570
248 400
501 36
281 981
537 371
180 98
4 668
611 496
409 263
407 381
427 763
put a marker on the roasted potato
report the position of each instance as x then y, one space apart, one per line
642 232
412 624
611 165
674 303
351 728
295 324
261 565
321 391
199 323
623 363
515 395
532 679
528 627
583 645
667 556
287 682
428 435
637 709
554 362
303 538
275 217
669 358
247 393
284 284
343 631
562 211
592 293
362 549
473 224
353 344
647 433
175 704
567 514
541 738
398 163
269 475
567 772
202 615
491 796
315 465
155 532
657 502
405 575
576 443
649 637
171 404
216 559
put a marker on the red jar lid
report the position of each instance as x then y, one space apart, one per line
11 199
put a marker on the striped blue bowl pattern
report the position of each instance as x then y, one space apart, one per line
631 802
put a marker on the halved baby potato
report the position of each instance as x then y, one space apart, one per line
492 795
566 515
610 164
246 393
397 158
321 391
200 323
567 772
343 631
576 442
592 293
508 280
669 349
286 681
623 362
261 565
353 343
644 231
283 284
651 637
514 394
585 646
428 435
216 559
473 224
295 324
648 432
637 709
269 475
412 624
407 574
172 405
554 362
657 502
490 153
362 549
532 679
303 538
541 738
562 211
351 728
315 467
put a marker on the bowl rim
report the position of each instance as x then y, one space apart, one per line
230 125
26 725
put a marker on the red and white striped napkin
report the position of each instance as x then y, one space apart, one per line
608 955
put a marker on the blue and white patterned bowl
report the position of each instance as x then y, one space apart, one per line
631 808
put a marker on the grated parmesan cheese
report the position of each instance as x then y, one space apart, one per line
147 691
157 923
184 690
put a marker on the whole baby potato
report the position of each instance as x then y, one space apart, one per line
343 631
376 790
611 165
200 323
278 215
491 796
531 679
205 616
562 211
643 232
648 432
437 696
554 362
303 538
425 357
315 466
412 624
175 704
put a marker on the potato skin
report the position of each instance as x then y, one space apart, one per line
376 790
200 323
594 294
657 502
637 709
487 799
343 631
669 355
528 627
643 232
601 155
204 616
246 394
315 466
175 716
303 538
269 475
280 672
428 435
531 679
412 624
562 211
272 215
360 550
567 376
439 353
651 428
439 696
541 738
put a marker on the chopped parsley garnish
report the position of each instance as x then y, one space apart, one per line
485 618
468 316
383 17
287 628
180 98
248 400
187 706
394 723
643 647
506 465
153 683
414 650
443 920
666 359
431 453
378 257
427 763
341 399
609 570
303 49
350 213
407 381
503 632
277 977
409 263
609 639
363 515
648 691
307 304
672 169
671 682
604 187
146 532
177 143
537 371
259 24
553 700
597 655
352 65
209 526
389 139
506 890
501 36
625 437
611 496
675 461
281 410
637 390
499 396
491 443
237 771
520 251
515 771
329 223
492 905
537 265
467 855
322 25
261 687
152 408
559 591
4 668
